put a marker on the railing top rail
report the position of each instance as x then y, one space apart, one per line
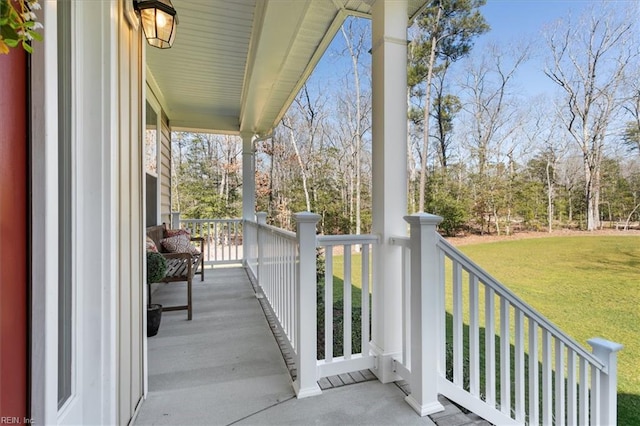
400 241
279 231
334 240
503 291
210 220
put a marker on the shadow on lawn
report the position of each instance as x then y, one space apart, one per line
338 319
628 409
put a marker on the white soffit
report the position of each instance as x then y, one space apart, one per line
236 65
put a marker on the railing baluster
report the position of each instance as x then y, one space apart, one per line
547 384
216 258
230 240
328 305
490 346
292 286
365 299
406 308
346 298
559 381
584 393
519 373
595 396
572 393
207 239
287 283
236 237
281 283
505 357
443 315
458 348
474 337
534 386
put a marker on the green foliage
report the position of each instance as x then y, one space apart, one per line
453 212
156 267
445 108
206 176
320 265
446 198
454 24
631 136
18 26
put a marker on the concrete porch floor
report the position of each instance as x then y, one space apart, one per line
224 367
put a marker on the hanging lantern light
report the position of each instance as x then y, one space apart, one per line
159 21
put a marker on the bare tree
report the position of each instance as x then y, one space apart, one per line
356 42
631 135
546 136
286 122
491 119
588 63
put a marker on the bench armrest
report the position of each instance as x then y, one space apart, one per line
187 256
201 241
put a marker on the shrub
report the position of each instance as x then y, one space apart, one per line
156 267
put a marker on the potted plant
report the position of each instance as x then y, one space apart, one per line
156 270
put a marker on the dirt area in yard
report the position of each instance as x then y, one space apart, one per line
479 239
462 240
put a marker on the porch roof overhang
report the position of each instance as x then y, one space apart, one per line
236 65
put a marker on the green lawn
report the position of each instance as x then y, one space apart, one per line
588 285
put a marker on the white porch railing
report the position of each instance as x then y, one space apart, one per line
283 264
350 359
223 239
507 363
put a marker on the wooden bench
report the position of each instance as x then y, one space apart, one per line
180 266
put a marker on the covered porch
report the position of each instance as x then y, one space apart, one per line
464 336
226 367
427 314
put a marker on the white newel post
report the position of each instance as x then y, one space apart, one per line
389 178
175 220
426 315
261 218
306 306
607 353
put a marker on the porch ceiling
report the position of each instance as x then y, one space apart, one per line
236 65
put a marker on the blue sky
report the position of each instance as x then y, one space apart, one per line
510 20
513 20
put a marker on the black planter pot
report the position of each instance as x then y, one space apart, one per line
154 315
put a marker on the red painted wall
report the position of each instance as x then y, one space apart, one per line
13 236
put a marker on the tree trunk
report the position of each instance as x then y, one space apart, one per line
549 199
303 172
592 197
427 106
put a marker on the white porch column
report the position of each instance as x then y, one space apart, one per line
175 220
261 218
248 177
389 131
